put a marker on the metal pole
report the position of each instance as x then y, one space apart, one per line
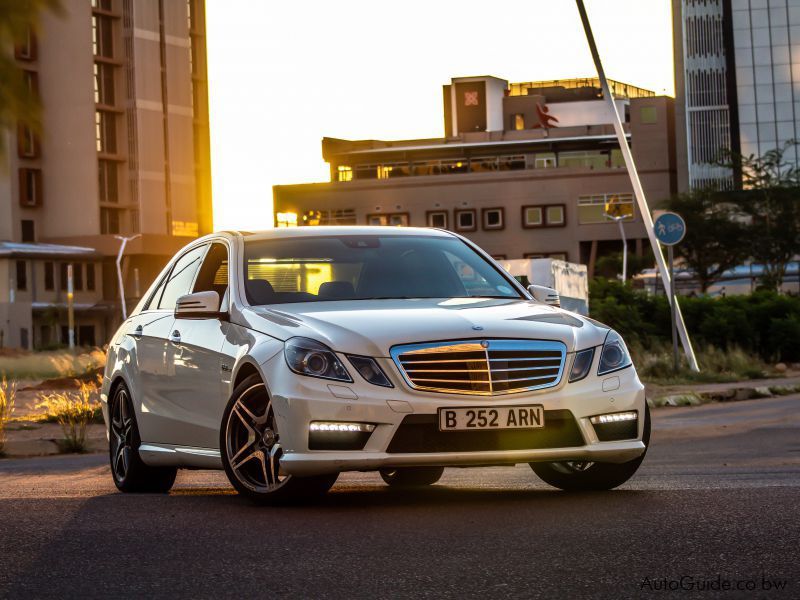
70 308
624 249
124 242
673 303
641 201
119 278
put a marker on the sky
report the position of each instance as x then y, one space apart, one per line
283 74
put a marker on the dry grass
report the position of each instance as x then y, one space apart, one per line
73 411
716 366
45 365
8 393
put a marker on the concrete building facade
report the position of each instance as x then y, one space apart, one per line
124 147
737 84
524 170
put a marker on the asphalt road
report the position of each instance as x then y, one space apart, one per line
715 503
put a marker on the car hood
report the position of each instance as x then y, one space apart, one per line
372 327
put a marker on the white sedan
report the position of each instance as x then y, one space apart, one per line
289 356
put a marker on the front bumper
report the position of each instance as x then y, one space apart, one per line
299 400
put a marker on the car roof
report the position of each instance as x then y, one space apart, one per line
340 230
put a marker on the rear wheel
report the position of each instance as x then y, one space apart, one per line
575 476
412 476
127 468
251 450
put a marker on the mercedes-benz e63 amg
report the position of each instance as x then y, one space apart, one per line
289 356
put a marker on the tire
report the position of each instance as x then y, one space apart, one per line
250 450
412 476
582 476
130 473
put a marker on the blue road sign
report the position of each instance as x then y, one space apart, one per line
670 228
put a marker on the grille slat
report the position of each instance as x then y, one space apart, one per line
481 367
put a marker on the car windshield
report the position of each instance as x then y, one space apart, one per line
366 267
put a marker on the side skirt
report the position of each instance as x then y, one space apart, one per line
165 455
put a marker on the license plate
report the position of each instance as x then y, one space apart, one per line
494 417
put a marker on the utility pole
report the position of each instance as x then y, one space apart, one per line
70 307
123 242
641 201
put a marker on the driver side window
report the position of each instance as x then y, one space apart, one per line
213 275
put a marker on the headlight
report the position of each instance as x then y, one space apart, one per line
614 355
581 364
309 357
370 370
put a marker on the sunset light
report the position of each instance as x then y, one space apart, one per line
284 74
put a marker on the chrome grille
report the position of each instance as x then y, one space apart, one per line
481 367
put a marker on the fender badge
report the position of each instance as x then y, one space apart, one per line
477 328
484 344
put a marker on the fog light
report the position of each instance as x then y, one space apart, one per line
616 426
338 435
343 426
614 418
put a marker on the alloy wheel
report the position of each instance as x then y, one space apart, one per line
122 433
252 442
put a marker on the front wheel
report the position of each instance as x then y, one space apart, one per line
412 476
251 450
574 476
130 473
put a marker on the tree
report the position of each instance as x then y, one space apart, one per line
714 233
771 201
18 103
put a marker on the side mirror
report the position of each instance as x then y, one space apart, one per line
545 295
200 305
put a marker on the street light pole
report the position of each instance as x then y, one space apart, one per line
638 191
123 242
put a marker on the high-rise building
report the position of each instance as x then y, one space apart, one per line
124 151
737 84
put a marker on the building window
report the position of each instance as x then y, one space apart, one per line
392 219
109 220
544 161
28 230
592 209
465 220
90 281
511 163
106 132
554 216
649 115
27 142
49 277
102 4
546 215
493 218
32 83
22 275
499 256
63 271
30 187
286 219
436 218
104 84
77 276
518 122
344 173
25 48
102 36
23 338
107 180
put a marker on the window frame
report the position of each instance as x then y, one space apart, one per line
431 213
457 222
26 198
485 212
545 222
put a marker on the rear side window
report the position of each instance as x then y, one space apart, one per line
181 278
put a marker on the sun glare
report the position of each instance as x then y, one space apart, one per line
291 73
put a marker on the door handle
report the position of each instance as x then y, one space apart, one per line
137 333
175 337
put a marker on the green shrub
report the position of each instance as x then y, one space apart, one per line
765 323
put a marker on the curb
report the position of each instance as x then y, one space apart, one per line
734 394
